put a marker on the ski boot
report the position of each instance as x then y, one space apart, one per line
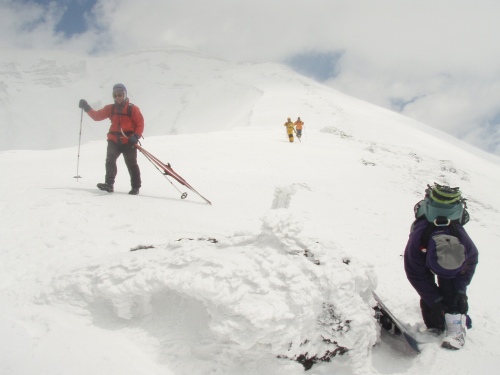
105 187
455 331
134 191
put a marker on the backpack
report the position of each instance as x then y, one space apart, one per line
442 206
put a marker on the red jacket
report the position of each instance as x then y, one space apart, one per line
120 120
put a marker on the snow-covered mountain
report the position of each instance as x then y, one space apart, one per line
178 91
280 267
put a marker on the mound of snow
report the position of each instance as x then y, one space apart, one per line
250 295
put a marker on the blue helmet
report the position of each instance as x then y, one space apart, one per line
120 87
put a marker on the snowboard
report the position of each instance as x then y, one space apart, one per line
389 322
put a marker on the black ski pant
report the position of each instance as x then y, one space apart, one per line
130 156
447 290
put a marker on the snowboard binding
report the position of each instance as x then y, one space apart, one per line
385 321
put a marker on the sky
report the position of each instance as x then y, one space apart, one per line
437 62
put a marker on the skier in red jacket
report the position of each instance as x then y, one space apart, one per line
127 125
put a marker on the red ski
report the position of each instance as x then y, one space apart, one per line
168 171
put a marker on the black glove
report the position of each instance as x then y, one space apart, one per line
84 105
436 316
133 139
460 303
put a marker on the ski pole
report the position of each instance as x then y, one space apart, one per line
297 135
79 142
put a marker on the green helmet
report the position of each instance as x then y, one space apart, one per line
442 202
444 194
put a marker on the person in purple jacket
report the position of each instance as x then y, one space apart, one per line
439 248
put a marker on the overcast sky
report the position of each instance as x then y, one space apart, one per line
434 60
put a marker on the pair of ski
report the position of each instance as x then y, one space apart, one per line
166 170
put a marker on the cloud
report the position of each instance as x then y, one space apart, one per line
318 65
23 25
385 32
438 62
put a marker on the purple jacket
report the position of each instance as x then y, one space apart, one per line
418 273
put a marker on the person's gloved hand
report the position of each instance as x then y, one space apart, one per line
84 105
133 139
436 315
460 303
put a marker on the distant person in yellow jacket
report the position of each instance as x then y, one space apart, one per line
298 126
289 129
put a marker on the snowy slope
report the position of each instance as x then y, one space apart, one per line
282 264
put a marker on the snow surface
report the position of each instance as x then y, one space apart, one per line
280 267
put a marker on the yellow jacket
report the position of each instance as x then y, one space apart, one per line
289 126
